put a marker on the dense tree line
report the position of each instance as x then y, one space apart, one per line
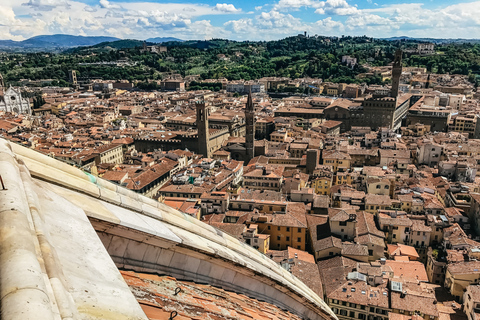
294 57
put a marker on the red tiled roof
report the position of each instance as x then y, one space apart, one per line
156 295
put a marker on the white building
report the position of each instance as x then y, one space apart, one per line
11 100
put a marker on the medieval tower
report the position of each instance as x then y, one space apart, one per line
72 77
250 128
396 73
202 126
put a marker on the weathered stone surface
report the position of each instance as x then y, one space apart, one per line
74 230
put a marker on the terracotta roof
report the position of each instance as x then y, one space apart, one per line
468 267
366 225
158 298
294 217
336 155
300 255
360 292
340 214
354 249
410 270
235 230
334 272
378 199
385 219
419 225
414 301
401 250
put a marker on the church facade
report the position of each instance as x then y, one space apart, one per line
11 100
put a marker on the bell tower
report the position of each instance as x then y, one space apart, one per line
250 128
396 73
202 127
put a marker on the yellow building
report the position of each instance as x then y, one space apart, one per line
322 184
278 136
339 161
471 302
379 186
261 242
285 230
343 223
374 202
460 275
344 178
331 90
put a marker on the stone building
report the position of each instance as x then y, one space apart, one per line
250 127
11 100
204 147
383 111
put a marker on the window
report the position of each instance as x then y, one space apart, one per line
378 186
278 238
352 314
278 228
372 309
330 253
288 238
268 227
370 252
386 187
288 229
418 233
343 223
299 239
344 303
394 235
361 316
299 230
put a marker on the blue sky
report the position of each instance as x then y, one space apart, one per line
239 20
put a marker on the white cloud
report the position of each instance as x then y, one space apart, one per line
266 25
107 5
224 7
46 4
21 19
331 7
240 26
296 4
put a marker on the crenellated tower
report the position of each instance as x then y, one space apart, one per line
396 73
250 128
202 126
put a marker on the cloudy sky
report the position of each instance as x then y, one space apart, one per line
239 20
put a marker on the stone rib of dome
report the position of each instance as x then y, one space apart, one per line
138 234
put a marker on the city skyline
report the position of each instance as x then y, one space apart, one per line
239 20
